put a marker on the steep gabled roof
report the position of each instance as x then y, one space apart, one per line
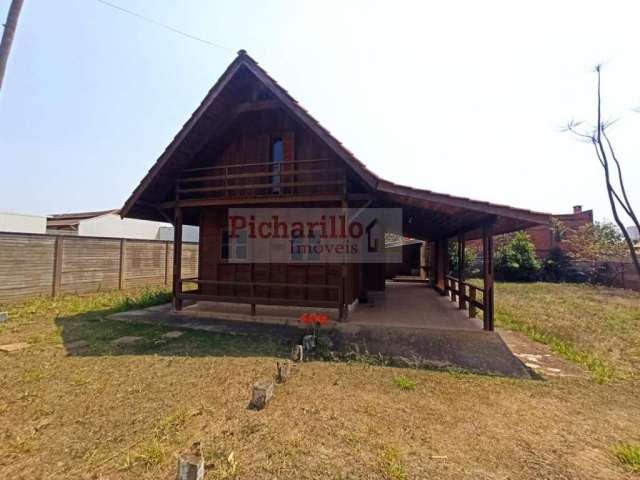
243 60
211 114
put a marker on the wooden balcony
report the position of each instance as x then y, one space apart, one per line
296 179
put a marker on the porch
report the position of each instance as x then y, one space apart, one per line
413 305
403 304
411 324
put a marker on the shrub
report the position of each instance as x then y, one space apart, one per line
470 260
516 260
559 267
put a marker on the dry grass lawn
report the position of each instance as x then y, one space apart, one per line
111 411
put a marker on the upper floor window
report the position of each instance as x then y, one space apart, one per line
277 157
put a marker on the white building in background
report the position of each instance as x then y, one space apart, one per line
21 223
108 223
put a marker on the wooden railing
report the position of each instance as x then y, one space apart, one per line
316 176
245 292
458 294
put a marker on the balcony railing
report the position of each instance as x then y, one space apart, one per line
262 293
457 291
268 179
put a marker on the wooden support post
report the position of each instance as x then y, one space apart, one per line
253 290
424 261
487 264
57 266
345 299
433 264
123 264
442 269
462 302
166 263
445 257
177 259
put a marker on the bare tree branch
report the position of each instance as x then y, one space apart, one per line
629 209
602 156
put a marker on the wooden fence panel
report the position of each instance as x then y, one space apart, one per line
35 264
26 266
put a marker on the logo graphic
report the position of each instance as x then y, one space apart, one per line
316 235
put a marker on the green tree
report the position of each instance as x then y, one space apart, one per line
516 259
596 242
470 260
597 250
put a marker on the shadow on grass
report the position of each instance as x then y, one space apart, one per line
96 331
92 333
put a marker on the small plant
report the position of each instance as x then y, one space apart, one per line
405 383
225 466
629 455
315 320
150 455
392 468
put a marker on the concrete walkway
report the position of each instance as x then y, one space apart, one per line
413 305
539 357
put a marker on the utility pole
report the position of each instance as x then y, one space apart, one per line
7 35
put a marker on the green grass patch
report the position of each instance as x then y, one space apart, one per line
595 327
100 303
629 455
600 371
150 455
392 467
405 383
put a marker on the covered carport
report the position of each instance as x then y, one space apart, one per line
438 219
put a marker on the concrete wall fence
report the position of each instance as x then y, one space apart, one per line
37 264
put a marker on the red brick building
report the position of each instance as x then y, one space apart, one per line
543 236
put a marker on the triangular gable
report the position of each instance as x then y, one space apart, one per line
286 100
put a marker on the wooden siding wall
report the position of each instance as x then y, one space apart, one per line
212 268
35 265
250 143
243 163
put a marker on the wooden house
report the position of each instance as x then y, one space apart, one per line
250 144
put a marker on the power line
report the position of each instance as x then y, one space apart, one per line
164 25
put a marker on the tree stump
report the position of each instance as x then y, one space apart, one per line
282 371
191 464
308 343
298 353
261 394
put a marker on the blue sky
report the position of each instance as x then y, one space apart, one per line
466 98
